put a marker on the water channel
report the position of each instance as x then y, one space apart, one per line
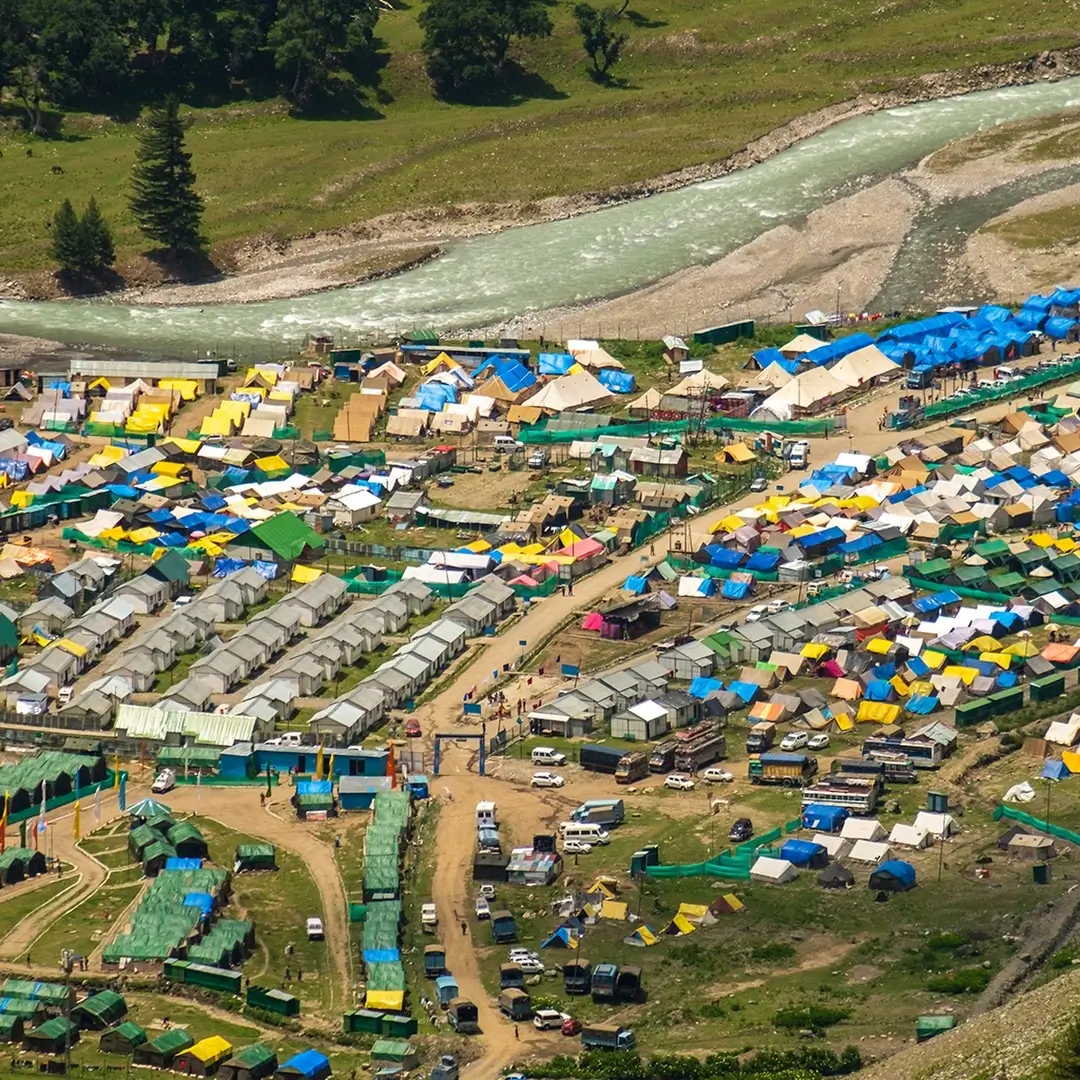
536 267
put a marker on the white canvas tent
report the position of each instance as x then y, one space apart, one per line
569 392
1064 732
811 388
862 366
862 829
935 824
909 836
868 852
800 345
699 381
769 871
836 846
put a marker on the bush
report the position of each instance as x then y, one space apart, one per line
965 981
1064 958
809 1017
772 952
947 939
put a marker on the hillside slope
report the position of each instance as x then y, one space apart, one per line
701 78
1016 1041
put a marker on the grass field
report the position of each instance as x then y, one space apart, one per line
24 901
698 81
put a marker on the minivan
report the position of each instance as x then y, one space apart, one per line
591 834
547 755
506 444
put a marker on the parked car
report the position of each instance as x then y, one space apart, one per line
571 1027
412 728
776 606
715 775
315 930
576 847
818 742
487 892
164 781
760 483
182 601
756 614
429 917
483 908
679 782
794 740
445 481
530 965
547 779
742 829
517 955
549 1018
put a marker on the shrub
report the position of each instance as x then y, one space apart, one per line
965 981
809 1017
773 952
947 939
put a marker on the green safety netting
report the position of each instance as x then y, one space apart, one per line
733 865
1059 831
357 583
539 433
385 975
977 399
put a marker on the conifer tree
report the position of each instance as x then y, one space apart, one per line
164 200
66 239
95 239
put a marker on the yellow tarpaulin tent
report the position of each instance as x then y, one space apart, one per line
932 658
814 650
304 574
385 1000
100 384
266 374
169 468
188 446
72 647
598 886
899 685
274 463
1043 540
728 524
878 712
1002 659
680 926
843 722
983 643
613 909
1023 648
1071 760
879 645
143 536
694 912
188 389
733 902
440 361
967 675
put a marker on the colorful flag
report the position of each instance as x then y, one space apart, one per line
116 773
97 805
318 763
390 768
76 821
3 822
330 769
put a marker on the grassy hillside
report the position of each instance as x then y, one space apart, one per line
702 78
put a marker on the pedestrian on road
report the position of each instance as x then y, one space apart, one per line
516 1035
299 973
287 975
28 958
464 927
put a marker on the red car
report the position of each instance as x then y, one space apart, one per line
571 1027
412 729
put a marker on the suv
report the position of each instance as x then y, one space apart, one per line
549 1018
680 782
315 929
547 779
794 740
741 830
715 775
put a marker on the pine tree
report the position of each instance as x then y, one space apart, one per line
66 247
95 239
164 200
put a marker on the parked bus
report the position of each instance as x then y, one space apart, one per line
859 800
923 755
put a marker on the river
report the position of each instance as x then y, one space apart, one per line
537 267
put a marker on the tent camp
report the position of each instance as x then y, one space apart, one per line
307 1065
641 937
204 1057
812 389
893 876
836 877
937 825
569 392
769 871
100 1010
254 857
836 846
52 1037
252 1063
159 1053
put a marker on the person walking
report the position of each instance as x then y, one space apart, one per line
516 1033
464 927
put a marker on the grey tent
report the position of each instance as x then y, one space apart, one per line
836 877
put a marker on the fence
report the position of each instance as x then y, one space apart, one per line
977 399
733 865
1043 826
540 434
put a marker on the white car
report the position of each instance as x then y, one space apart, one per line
549 1018
756 614
429 917
576 847
680 782
164 781
776 606
547 779
818 742
529 964
182 601
483 908
517 955
716 775
315 929
487 892
794 740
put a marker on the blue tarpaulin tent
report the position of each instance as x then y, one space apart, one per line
702 687
636 585
554 363
735 590
893 876
1054 769
804 853
824 818
618 382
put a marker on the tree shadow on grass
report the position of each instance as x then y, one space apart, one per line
517 86
635 18
186 266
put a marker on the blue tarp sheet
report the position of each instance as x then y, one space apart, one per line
701 687
746 691
203 901
921 705
735 590
800 852
1054 769
636 585
824 818
554 363
878 690
618 382
176 863
382 956
223 567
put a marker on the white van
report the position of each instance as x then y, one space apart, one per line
290 738
486 815
547 755
585 831
506 444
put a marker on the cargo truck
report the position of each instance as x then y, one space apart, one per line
628 983
605 979
463 1017
791 770
515 1004
662 758
631 768
760 737
600 812
577 977
446 1069
607 1037
595 757
691 756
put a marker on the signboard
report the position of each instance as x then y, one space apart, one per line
690 367
473 708
522 643
572 671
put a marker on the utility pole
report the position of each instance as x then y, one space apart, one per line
67 962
